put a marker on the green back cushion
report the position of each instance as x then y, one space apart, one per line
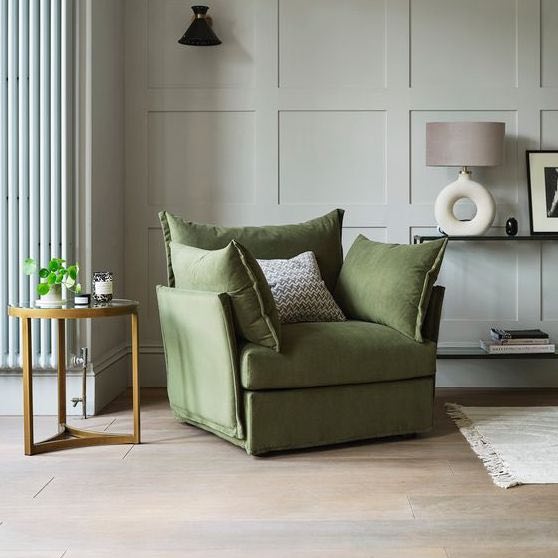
390 284
321 236
232 270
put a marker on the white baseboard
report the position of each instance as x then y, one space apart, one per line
112 372
106 379
153 370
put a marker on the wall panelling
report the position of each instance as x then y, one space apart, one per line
313 104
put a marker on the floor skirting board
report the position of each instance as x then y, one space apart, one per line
107 377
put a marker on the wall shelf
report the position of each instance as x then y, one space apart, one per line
419 239
477 352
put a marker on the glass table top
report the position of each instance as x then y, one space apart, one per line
69 304
69 310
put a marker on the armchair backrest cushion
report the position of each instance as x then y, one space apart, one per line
232 270
390 284
321 236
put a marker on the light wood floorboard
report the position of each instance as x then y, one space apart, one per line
187 493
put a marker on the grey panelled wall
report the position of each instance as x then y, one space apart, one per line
284 121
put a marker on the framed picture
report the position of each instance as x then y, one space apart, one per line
542 177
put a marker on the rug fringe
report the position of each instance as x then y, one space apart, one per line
496 467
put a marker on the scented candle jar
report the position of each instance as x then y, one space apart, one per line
102 287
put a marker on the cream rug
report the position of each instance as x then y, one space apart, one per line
518 445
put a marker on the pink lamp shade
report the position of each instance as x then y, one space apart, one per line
464 144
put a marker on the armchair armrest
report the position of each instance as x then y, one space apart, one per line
201 358
431 324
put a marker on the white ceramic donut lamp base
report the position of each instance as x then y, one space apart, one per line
464 187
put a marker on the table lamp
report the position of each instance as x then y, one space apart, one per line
464 144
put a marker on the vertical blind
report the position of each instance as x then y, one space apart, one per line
35 112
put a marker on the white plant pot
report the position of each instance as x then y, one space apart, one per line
54 296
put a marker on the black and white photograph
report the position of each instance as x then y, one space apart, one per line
551 186
542 175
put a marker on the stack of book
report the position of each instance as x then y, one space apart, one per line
516 341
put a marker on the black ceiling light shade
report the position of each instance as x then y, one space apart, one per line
200 33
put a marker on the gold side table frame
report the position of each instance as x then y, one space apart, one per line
69 436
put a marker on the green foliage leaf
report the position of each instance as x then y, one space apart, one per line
54 274
29 266
54 264
43 289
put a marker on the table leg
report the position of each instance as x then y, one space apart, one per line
135 377
27 376
61 372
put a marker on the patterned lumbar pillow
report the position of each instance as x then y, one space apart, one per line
299 291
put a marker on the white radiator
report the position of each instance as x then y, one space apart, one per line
35 123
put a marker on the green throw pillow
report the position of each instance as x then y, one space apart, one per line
232 270
321 236
390 284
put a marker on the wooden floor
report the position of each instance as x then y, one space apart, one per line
186 493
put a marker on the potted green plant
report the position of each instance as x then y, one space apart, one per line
52 278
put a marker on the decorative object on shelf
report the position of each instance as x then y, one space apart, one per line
493 347
83 299
500 334
542 178
511 226
517 341
464 144
102 287
52 278
199 33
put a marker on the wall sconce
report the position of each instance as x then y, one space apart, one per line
200 33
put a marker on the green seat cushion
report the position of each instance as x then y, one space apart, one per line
232 270
321 236
389 284
334 353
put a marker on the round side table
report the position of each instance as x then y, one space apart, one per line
68 436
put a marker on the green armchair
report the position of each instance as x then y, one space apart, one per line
331 382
